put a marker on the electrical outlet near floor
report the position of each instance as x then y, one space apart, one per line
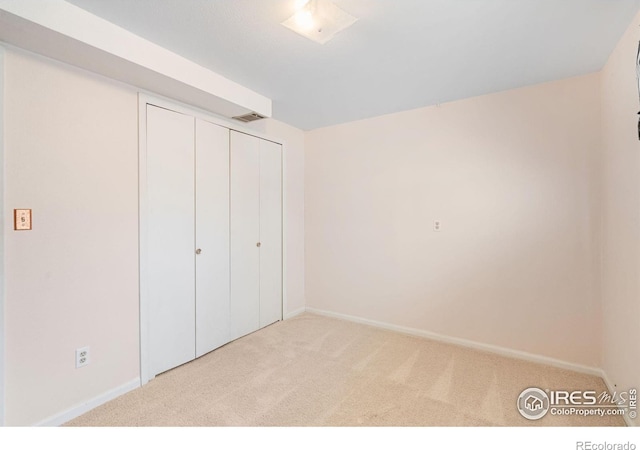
437 225
82 357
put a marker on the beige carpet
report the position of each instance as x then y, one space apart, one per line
318 371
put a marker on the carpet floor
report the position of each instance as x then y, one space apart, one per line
318 371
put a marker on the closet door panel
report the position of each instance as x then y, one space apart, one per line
170 238
212 237
270 232
245 234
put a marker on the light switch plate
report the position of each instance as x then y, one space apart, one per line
21 219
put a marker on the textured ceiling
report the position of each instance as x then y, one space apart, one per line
401 54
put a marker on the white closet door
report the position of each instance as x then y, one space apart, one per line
170 238
245 234
270 232
212 236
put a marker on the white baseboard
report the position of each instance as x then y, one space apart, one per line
294 313
65 416
531 357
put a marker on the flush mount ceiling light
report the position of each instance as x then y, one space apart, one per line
318 20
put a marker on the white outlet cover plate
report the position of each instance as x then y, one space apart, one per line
79 357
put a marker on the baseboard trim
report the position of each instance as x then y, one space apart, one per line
65 416
517 354
294 313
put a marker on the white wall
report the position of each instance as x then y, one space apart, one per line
71 156
293 193
511 176
621 214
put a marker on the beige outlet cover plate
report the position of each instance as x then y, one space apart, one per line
21 219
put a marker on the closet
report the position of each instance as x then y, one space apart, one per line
211 237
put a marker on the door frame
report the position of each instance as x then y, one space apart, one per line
144 99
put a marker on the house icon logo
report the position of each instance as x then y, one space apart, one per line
533 403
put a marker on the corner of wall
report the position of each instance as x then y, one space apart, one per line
619 250
598 219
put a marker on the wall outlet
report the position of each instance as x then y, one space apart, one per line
82 357
437 225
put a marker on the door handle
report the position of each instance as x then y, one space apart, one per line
198 251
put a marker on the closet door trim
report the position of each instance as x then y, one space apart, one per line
143 244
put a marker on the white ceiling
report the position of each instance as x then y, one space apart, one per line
401 54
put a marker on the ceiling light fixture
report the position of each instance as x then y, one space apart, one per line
318 20
304 19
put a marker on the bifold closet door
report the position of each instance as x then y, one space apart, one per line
170 259
212 237
256 233
270 232
245 234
